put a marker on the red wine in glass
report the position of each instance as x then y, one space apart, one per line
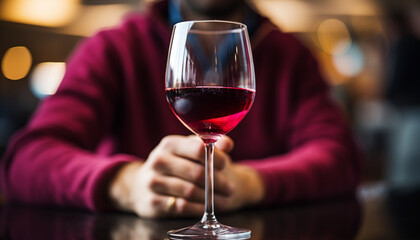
210 87
210 111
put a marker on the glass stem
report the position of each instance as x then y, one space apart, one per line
209 219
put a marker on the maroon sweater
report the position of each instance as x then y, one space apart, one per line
111 109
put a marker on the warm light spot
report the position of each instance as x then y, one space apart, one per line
333 36
302 15
16 63
93 18
367 25
290 16
50 13
345 8
46 78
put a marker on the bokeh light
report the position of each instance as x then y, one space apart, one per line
290 16
50 13
46 78
92 18
16 63
333 36
367 25
351 63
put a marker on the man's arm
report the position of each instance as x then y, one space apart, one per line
322 159
53 160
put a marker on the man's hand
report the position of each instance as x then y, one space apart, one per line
175 168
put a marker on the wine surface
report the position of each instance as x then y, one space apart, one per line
210 111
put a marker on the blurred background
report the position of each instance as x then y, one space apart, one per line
358 44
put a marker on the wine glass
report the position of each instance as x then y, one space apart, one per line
210 87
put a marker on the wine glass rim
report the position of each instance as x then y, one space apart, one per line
241 27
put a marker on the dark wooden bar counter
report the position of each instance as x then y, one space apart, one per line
373 214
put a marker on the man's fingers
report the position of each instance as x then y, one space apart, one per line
186 208
192 172
175 166
166 207
177 187
221 203
222 185
221 159
188 147
225 144
192 148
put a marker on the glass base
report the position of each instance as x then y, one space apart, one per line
212 231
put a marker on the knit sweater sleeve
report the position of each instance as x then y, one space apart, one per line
53 160
322 159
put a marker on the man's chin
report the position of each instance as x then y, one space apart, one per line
214 8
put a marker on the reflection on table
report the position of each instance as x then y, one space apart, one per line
373 216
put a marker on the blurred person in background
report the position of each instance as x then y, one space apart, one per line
108 140
403 93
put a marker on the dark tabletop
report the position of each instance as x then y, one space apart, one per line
373 214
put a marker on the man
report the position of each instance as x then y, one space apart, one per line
107 139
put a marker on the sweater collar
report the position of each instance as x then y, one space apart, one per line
175 16
258 27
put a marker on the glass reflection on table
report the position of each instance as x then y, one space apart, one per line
332 220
